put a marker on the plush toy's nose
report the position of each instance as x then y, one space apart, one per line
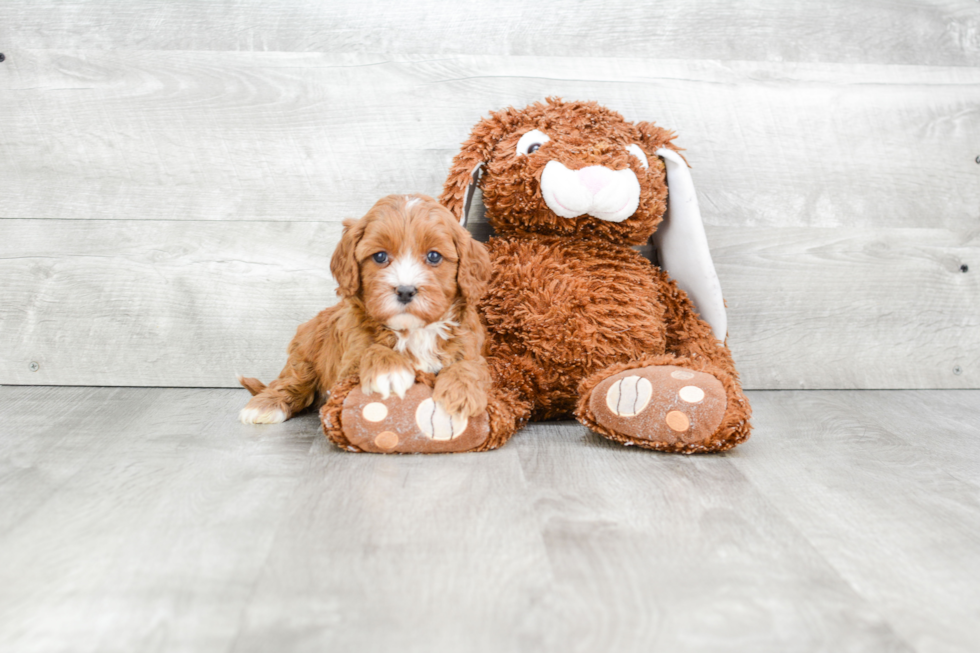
595 178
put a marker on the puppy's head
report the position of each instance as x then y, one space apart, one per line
409 260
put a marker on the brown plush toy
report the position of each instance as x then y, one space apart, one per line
578 322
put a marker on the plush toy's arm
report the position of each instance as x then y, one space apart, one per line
687 333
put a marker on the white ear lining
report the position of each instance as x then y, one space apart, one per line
682 246
470 189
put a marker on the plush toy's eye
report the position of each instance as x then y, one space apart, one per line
531 141
433 257
380 258
635 150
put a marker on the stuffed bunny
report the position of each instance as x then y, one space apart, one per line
578 322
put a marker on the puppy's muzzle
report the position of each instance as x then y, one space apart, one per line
406 293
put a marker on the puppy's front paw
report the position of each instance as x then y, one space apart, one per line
460 398
397 380
257 415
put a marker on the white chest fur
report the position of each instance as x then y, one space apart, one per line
423 344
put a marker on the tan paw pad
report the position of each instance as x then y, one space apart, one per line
375 411
387 440
691 394
436 423
629 396
677 421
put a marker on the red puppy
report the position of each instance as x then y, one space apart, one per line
409 277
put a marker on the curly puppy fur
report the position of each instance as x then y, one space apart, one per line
570 302
401 314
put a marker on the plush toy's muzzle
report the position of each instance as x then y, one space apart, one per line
611 195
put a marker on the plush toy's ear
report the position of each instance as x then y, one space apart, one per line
682 245
468 194
467 168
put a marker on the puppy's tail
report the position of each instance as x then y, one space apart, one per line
252 385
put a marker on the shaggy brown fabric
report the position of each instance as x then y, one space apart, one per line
569 302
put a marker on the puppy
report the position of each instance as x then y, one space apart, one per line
409 278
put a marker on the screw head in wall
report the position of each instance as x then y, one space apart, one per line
957 370
2 57
34 367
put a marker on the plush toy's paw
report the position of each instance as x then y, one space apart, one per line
660 403
414 424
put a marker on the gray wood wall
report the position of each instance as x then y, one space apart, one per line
173 174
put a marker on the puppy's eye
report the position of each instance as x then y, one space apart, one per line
380 258
433 257
635 150
531 142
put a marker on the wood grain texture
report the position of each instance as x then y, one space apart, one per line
417 553
137 519
843 308
286 136
953 414
625 533
150 519
148 150
903 508
938 32
160 303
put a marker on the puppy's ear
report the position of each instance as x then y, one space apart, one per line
473 269
464 175
344 266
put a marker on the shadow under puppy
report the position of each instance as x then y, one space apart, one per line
410 278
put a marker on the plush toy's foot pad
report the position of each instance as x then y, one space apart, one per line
415 424
660 403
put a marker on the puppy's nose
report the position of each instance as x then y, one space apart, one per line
406 293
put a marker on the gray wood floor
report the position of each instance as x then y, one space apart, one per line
150 520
